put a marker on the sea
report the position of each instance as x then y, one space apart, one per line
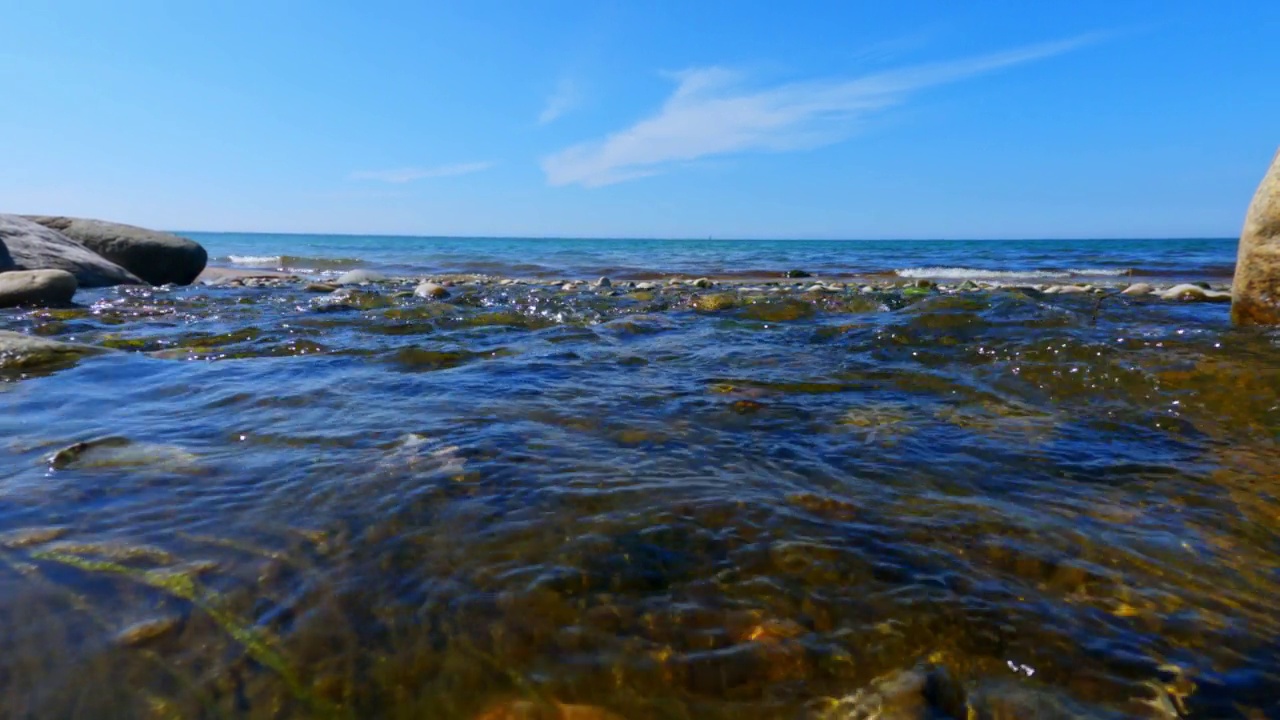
801 479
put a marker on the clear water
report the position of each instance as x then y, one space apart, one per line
682 503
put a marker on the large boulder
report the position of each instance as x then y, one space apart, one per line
36 287
25 245
157 257
1255 295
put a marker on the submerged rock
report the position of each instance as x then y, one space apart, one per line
27 245
159 258
146 631
1256 289
1137 289
796 274
36 287
117 452
917 694
715 302
26 351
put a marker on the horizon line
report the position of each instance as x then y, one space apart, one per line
712 238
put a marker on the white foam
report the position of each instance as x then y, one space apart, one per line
272 260
982 273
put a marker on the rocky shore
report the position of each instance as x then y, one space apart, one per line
44 260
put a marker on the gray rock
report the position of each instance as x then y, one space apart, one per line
19 351
26 245
1256 290
1137 289
359 277
431 291
159 258
320 287
36 287
604 282
703 283
645 286
1187 291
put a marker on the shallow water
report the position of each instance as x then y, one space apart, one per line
388 507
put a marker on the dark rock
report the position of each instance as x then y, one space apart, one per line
604 282
36 287
26 245
796 274
159 258
1256 291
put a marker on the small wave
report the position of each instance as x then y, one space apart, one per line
296 262
983 273
254 260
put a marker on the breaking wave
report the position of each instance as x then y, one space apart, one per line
984 273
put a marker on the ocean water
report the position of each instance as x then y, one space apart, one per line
758 500
1211 260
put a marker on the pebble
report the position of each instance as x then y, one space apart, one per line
431 291
1190 292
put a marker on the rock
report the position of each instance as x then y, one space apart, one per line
1137 289
703 283
796 274
36 287
604 282
431 291
26 245
968 285
1256 289
1187 291
819 289
645 286
360 277
26 351
159 258
320 287
1066 290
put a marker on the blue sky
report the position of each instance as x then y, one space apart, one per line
654 119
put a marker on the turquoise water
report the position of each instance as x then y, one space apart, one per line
743 502
1197 259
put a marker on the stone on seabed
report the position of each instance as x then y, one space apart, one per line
1255 295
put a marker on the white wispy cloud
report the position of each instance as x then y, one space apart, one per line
562 100
404 175
711 113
